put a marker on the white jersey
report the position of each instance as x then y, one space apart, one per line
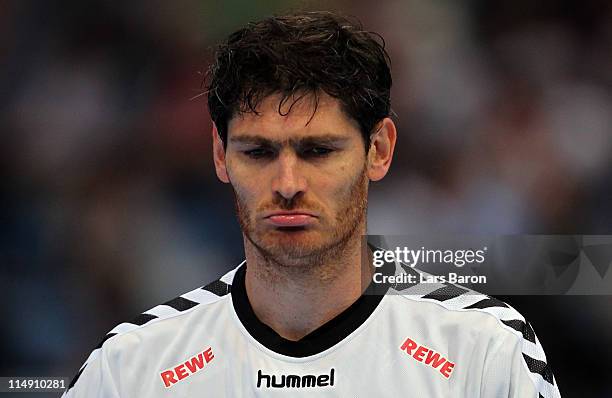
421 341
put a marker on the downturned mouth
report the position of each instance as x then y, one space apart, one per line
290 219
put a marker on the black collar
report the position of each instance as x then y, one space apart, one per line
319 340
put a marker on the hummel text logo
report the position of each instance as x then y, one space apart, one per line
294 381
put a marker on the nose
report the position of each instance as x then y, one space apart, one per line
288 181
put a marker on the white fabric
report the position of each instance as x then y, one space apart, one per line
487 355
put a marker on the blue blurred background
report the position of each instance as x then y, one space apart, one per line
110 204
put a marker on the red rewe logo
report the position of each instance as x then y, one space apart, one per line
186 369
428 357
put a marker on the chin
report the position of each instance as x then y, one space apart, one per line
291 245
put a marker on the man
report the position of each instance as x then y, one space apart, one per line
300 106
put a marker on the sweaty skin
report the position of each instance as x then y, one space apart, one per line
300 181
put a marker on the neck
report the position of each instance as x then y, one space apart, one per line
295 300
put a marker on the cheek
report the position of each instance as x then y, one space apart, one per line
246 191
346 176
243 184
335 191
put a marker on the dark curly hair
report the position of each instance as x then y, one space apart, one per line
297 55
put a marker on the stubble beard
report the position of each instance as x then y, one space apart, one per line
308 256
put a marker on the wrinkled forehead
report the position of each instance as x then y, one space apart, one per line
282 118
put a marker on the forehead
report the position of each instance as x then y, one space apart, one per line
296 119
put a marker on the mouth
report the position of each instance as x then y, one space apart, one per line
290 219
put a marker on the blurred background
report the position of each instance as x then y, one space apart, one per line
110 204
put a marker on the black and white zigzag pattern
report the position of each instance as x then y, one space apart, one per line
203 295
450 296
459 298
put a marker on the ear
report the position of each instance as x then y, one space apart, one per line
219 155
380 154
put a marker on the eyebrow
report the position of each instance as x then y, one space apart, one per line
255 139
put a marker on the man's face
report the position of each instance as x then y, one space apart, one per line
299 180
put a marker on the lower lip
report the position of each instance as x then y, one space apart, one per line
291 220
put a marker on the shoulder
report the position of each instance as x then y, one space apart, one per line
202 298
466 315
458 303
164 319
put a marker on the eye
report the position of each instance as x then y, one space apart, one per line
258 153
317 151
